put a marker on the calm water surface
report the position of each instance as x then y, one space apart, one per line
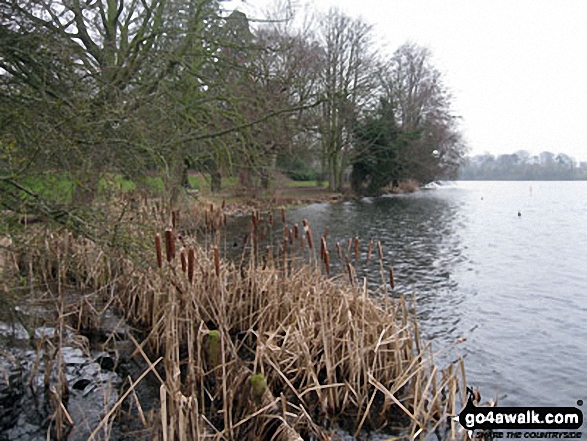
514 286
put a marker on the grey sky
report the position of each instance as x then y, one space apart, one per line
517 68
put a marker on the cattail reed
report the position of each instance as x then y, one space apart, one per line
303 243
379 250
327 261
326 231
391 278
191 264
271 219
224 202
310 242
169 244
174 218
296 231
356 247
349 269
224 219
291 237
339 249
217 261
158 250
283 215
184 263
370 250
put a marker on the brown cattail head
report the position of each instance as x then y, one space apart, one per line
370 249
271 218
224 202
217 261
350 270
296 231
305 223
285 232
303 243
391 278
184 262
326 231
356 247
379 250
283 214
158 250
323 249
224 219
212 208
310 241
174 218
327 262
339 249
191 264
291 237
169 244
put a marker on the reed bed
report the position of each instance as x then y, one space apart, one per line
265 346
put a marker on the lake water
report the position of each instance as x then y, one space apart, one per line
514 286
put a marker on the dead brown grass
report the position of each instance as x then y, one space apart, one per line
265 347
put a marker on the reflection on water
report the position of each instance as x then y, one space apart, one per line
514 286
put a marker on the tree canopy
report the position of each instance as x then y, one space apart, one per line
91 90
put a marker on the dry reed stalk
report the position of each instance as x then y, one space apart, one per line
339 250
191 264
379 250
217 261
158 251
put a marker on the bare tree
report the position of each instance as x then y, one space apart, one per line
422 105
347 87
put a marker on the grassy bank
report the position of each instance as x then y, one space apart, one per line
266 346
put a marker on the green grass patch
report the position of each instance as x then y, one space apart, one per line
304 184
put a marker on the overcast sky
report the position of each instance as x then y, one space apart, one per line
517 68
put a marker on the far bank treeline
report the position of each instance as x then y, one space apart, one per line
522 166
92 90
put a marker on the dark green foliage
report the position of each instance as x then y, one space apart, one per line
297 168
377 162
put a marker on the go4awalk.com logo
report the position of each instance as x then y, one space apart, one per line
521 422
